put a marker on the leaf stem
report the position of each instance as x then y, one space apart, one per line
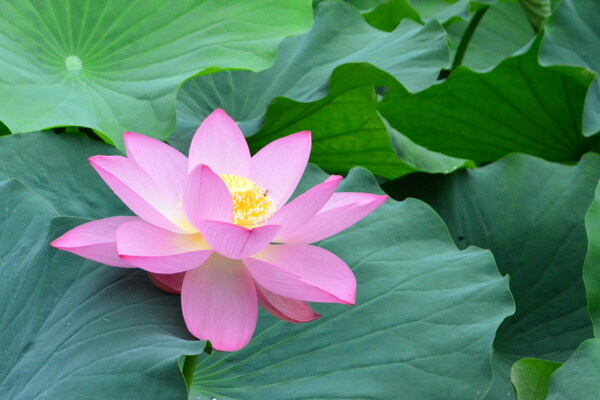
464 41
189 367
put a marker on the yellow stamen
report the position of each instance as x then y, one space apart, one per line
252 205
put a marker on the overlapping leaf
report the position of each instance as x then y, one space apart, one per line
531 378
446 11
412 54
347 129
571 37
578 378
115 66
502 32
517 107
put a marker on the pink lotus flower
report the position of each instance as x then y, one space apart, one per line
216 228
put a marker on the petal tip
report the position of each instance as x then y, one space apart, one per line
335 178
128 136
97 160
348 300
219 113
305 135
381 199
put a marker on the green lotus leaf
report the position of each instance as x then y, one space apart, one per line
537 11
72 328
412 54
448 11
388 14
503 32
116 66
530 214
422 327
571 37
531 378
578 378
56 168
517 107
591 268
347 129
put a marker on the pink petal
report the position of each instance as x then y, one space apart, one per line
299 211
220 144
340 212
278 166
170 283
95 240
164 164
206 197
158 250
314 265
235 241
285 282
219 303
137 190
284 308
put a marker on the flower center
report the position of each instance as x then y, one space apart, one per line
251 204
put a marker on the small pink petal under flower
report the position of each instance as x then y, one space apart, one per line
300 210
137 190
206 197
160 251
219 143
95 240
284 308
170 283
163 163
219 303
278 166
235 241
314 265
341 211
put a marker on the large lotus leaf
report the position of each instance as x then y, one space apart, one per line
412 53
502 32
56 168
531 378
579 377
347 129
517 107
530 213
572 37
116 65
591 268
72 328
422 326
